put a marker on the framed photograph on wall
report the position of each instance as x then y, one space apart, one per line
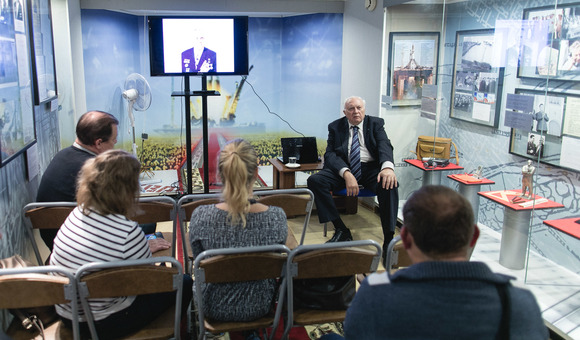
42 49
412 64
17 132
554 117
550 43
477 81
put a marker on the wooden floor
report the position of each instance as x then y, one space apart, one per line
363 225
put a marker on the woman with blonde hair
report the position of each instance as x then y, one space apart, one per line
237 221
99 229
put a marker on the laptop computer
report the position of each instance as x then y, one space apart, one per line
303 148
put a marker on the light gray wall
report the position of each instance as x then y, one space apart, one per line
362 48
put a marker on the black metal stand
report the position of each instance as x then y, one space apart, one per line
204 93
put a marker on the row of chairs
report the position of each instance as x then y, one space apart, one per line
279 262
119 278
30 287
51 215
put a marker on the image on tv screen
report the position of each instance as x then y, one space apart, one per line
198 45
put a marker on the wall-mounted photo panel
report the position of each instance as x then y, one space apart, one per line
17 132
42 49
550 117
412 64
477 78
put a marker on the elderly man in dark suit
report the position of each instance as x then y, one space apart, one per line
375 171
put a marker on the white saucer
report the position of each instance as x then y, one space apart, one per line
292 166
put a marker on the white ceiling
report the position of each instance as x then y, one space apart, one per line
218 7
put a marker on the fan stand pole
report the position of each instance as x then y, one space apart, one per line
204 93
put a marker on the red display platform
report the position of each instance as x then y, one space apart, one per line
505 197
419 164
567 225
468 179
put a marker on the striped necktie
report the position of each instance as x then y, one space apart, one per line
355 154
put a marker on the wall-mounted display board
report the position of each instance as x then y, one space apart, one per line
477 83
552 131
412 64
16 104
43 51
551 43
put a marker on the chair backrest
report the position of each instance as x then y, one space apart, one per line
185 207
329 260
155 209
188 203
240 264
30 287
294 202
45 215
396 256
158 209
129 277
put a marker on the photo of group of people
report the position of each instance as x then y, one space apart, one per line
551 43
475 84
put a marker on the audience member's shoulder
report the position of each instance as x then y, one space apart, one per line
203 209
377 279
276 210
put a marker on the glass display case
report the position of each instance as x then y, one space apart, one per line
507 94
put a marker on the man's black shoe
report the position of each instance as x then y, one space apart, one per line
341 235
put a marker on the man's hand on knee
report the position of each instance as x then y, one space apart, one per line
351 184
387 178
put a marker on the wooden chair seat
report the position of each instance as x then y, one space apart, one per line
56 330
161 328
309 317
216 327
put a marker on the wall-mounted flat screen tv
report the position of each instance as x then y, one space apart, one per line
198 45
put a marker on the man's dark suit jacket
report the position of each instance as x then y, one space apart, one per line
188 60
375 138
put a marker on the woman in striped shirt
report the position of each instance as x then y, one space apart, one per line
98 230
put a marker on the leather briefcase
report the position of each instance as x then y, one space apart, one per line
435 147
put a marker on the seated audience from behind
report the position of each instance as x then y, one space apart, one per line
237 221
98 229
442 295
96 132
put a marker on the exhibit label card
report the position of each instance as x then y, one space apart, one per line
481 111
519 102
518 120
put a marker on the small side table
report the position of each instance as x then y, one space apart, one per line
432 176
516 224
566 225
285 178
469 186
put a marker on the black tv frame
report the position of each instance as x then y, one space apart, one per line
156 46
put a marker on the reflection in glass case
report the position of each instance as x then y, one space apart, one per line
551 42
